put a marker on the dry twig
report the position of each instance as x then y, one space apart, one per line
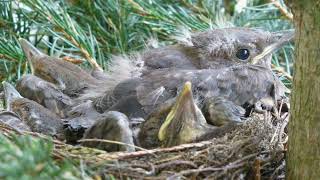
282 9
84 52
229 157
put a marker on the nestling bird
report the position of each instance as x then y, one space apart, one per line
36 117
44 93
70 79
13 120
230 70
230 52
184 92
113 126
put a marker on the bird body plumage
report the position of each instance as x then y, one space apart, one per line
220 64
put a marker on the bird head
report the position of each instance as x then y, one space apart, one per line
67 76
185 122
23 107
231 46
40 63
277 41
11 94
32 113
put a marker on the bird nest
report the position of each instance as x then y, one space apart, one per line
254 150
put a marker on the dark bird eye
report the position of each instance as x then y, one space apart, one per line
243 54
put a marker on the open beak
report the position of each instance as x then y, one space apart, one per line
10 94
285 38
30 51
185 122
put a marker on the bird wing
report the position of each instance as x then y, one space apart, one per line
177 56
246 84
240 84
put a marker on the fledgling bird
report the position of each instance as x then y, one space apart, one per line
218 48
185 121
44 93
54 81
229 51
229 69
12 120
80 117
36 117
113 126
179 121
69 78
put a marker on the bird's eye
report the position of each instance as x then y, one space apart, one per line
243 54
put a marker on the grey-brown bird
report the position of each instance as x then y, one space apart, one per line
231 54
13 120
26 115
218 48
229 70
44 93
113 126
69 78
67 90
36 117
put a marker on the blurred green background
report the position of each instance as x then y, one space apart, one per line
101 28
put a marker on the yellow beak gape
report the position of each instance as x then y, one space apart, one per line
187 88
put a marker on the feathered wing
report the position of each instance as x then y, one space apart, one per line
239 84
177 56
246 84
44 93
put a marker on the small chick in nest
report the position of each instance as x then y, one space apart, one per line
256 148
227 70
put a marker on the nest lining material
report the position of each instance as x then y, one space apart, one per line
254 150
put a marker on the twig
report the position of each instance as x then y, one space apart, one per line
244 158
234 176
116 142
124 155
112 142
169 159
72 60
282 166
191 171
192 7
236 164
280 107
84 52
275 134
282 127
150 166
281 71
3 56
257 168
175 163
282 9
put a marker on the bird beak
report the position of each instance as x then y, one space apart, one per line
185 122
279 39
30 51
10 94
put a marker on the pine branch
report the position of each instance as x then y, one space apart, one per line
10 49
27 157
282 9
61 21
96 29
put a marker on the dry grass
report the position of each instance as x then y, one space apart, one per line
254 150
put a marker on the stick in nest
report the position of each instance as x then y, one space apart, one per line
117 142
